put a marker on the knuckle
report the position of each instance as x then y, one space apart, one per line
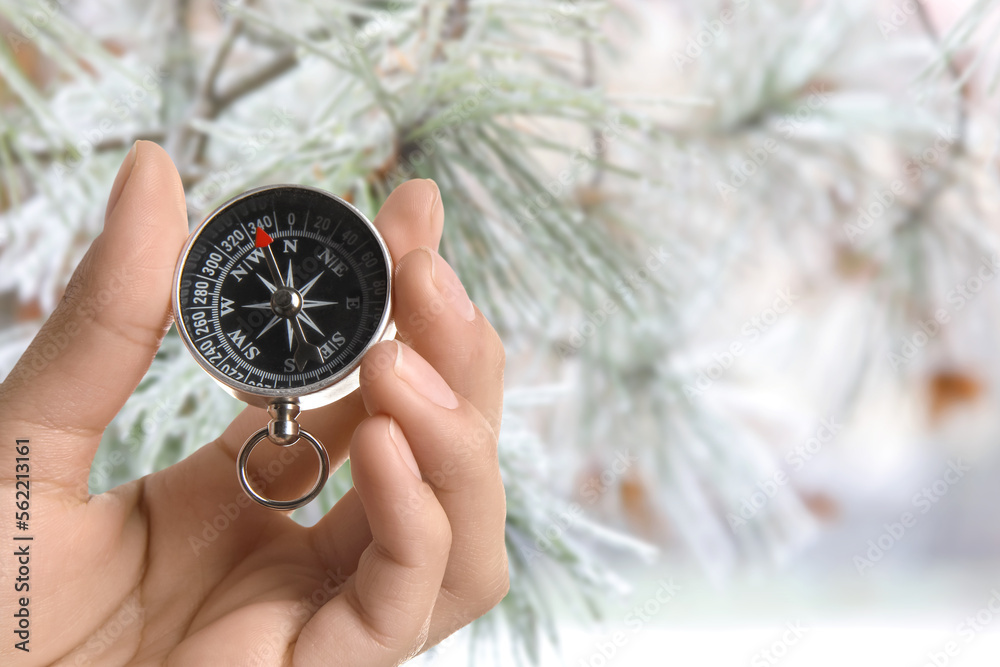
382 639
469 457
490 355
496 343
440 536
464 462
495 594
502 590
478 597
491 594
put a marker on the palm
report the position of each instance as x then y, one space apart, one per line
179 568
260 575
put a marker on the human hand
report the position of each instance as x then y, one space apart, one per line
414 551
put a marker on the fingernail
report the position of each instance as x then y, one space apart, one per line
450 287
128 164
404 447
416 372
437 204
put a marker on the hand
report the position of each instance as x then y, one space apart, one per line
414 551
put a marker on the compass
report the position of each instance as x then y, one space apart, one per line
278 294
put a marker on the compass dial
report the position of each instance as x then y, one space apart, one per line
282 290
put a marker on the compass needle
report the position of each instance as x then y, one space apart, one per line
304 351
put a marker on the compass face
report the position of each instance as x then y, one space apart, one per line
282 290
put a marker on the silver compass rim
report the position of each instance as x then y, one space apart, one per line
327 391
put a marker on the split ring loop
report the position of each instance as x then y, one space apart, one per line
244 458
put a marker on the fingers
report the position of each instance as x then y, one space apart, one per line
381 616
99 342
455 447
460 461
436 318
432 312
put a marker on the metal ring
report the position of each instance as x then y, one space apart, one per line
244 457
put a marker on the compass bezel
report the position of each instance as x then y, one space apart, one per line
317 394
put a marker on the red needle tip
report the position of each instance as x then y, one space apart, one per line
263 238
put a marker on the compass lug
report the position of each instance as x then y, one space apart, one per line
283 430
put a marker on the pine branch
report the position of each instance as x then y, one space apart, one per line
205 105
919 213
956 75
283 62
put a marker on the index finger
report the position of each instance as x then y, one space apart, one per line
411 217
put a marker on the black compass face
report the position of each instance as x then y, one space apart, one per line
282 290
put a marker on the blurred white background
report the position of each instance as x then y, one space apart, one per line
842 507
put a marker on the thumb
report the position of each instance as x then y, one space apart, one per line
91 353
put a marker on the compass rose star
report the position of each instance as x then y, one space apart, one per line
270 288
302 316
309 285
305 319
274 320
306 303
